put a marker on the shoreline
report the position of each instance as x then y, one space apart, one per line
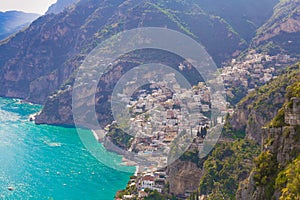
97 137
100 137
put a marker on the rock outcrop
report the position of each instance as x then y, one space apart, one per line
38 60
261 106
281 32
282 146
280 22
183 176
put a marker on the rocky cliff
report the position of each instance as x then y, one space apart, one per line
281 32
36 61
183 176
261 105
280 146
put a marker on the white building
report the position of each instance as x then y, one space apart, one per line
148 181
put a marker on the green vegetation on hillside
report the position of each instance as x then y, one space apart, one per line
228 164
260 106
288 181
154 195
191 155
229 132
265 172
278 120
292 91
238 93
260 97
174 18
269 175
119 137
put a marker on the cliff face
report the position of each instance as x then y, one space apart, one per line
36 61
284 19
280 146
281 32
183 176
282 143
261 105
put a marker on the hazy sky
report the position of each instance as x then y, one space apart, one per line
35 6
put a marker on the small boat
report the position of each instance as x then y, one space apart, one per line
32 117
10 188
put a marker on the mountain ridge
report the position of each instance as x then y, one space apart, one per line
13 21
67 37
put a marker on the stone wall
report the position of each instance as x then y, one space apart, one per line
292 115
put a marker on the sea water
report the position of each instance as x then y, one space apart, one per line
50 162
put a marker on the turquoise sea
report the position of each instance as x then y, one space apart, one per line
48 162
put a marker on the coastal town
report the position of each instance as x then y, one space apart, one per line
165 123
150 100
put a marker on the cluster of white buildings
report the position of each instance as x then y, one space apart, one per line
166 120
256 69
147 181
161 116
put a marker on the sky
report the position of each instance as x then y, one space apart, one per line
31 6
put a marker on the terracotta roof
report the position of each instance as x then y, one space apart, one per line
148 178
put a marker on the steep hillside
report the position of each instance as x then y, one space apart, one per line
14 21
270 173
281 32
38 60
276 172
54 45
261 105
228 164
243 15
